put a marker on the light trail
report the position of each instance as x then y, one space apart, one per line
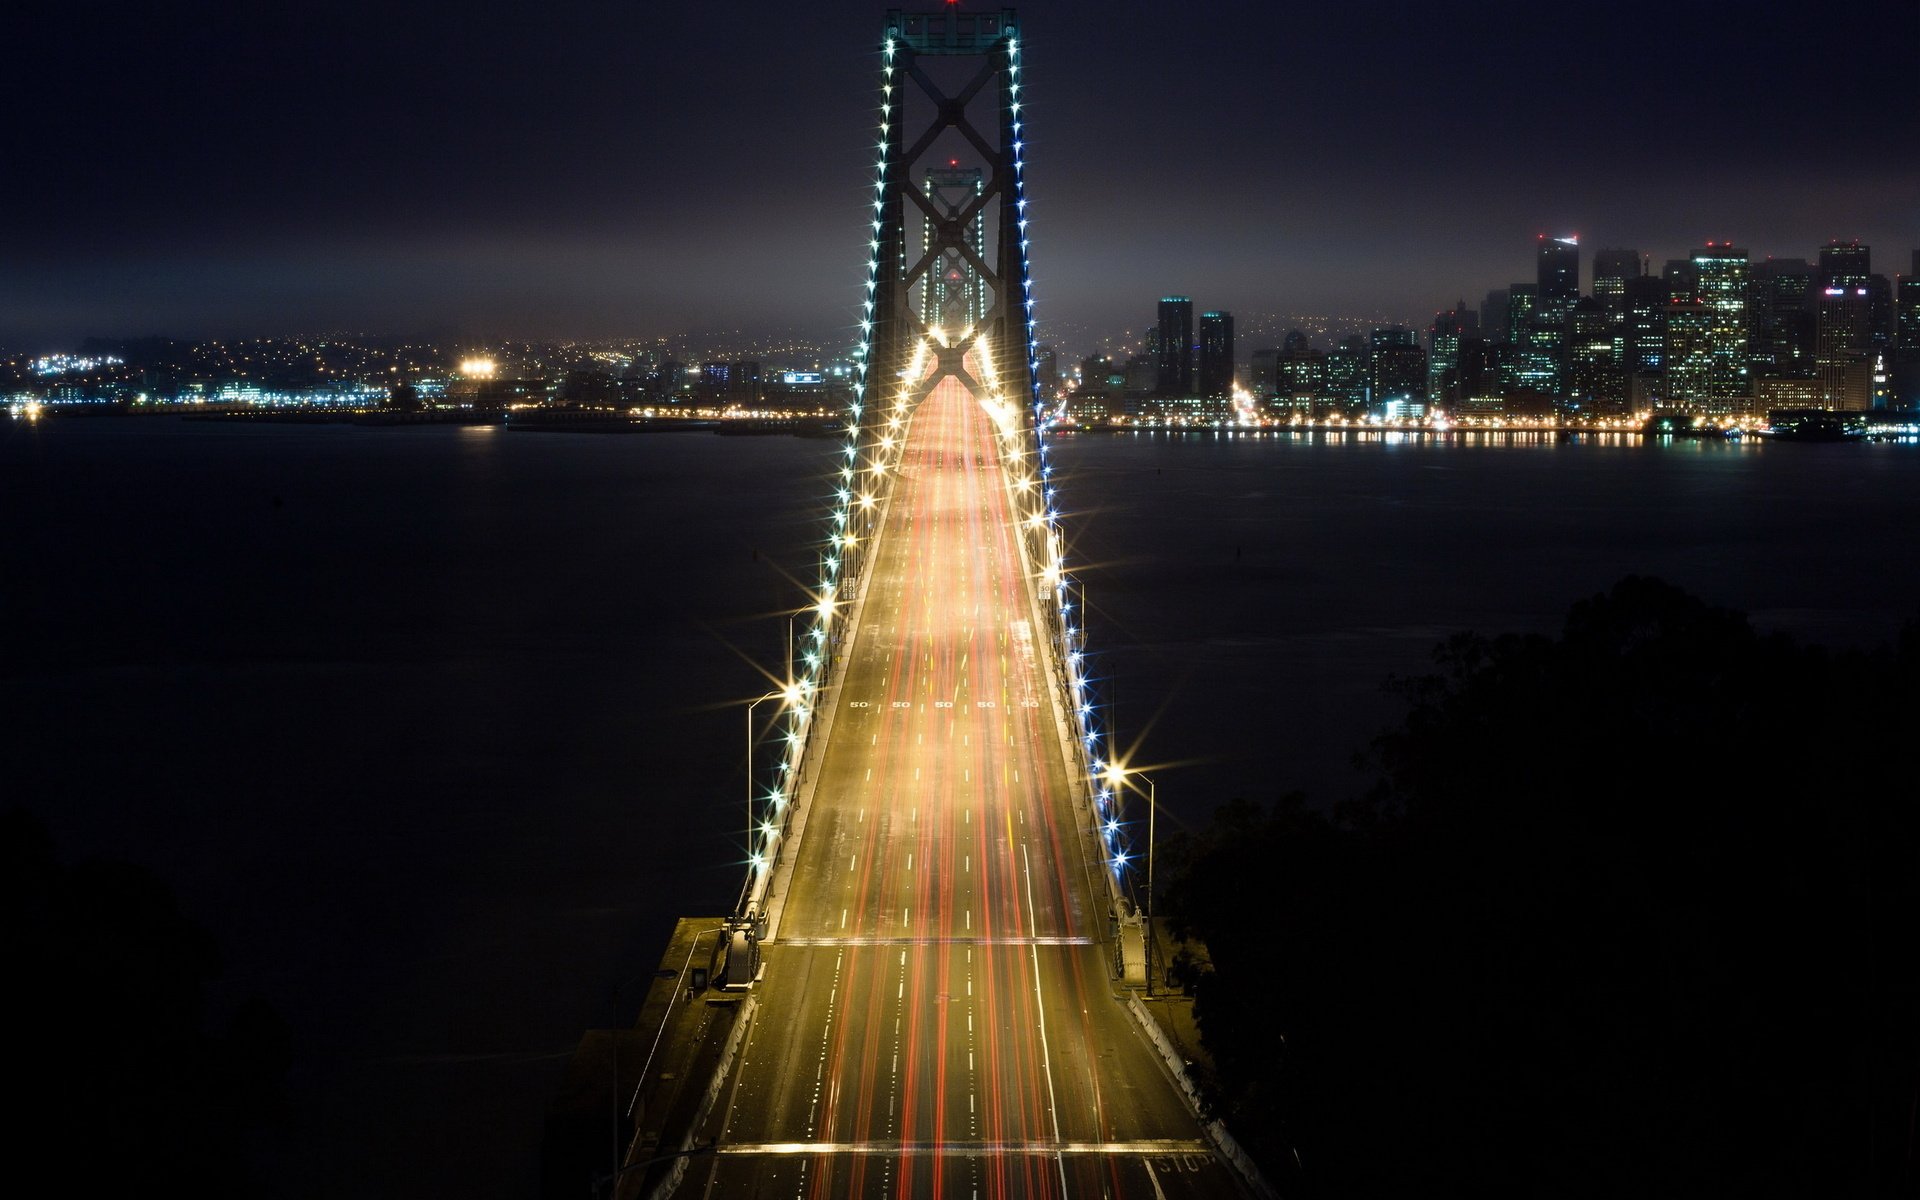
937 1017
1142 1146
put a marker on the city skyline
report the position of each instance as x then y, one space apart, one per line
220 176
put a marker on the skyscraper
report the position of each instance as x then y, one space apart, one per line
1843 322
1174 350
1535 333
1557 261
1543 344
1300 375
1396 371
1443 345
1780 317
1493 315
1216 355
1707 336
1646 331
1611 270
1262 372
1346 375
1593 379
1844 263
1906 337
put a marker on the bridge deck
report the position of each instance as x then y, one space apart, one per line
937 1015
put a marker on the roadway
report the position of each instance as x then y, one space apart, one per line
937 1016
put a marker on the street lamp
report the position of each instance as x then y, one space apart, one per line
751 705
1116 776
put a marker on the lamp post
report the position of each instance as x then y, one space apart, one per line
751 705
1117 775
1153 810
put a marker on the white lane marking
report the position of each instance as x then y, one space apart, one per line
850 858
1148 1164
843 918
1040 1003
1139 1146
909 861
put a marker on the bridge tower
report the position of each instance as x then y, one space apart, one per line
950 87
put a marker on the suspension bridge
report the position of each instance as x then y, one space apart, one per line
927 975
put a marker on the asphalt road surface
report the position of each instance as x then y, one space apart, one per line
937 1015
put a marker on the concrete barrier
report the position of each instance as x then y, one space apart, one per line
1216 1131
677 1173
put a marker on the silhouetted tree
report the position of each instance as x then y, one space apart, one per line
1630 910
117 1084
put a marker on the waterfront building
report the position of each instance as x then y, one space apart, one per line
1536 334
1173 350
1611 270
1396 372
1300 376
1493 315
1443 345
1557 267
1261 373
1645 298
1842 324
1216 355
1780 317
1594 379
1346 375
1906 338
1707 335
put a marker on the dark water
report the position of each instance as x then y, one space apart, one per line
435 728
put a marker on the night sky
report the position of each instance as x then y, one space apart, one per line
636 169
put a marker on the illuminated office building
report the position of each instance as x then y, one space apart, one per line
1906 338
1557 263
1843 323
1707 335
1611 270
1593 380
1645 299
1346 375
1396 372
1216 355
1174 349
1300 375
1780 317
1443 345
